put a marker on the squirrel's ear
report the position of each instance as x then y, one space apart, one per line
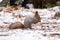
36 12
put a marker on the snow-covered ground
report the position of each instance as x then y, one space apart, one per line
47 22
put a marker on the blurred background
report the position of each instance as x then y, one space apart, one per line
36 3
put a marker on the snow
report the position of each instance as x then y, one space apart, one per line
1 0
27 34
24 35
